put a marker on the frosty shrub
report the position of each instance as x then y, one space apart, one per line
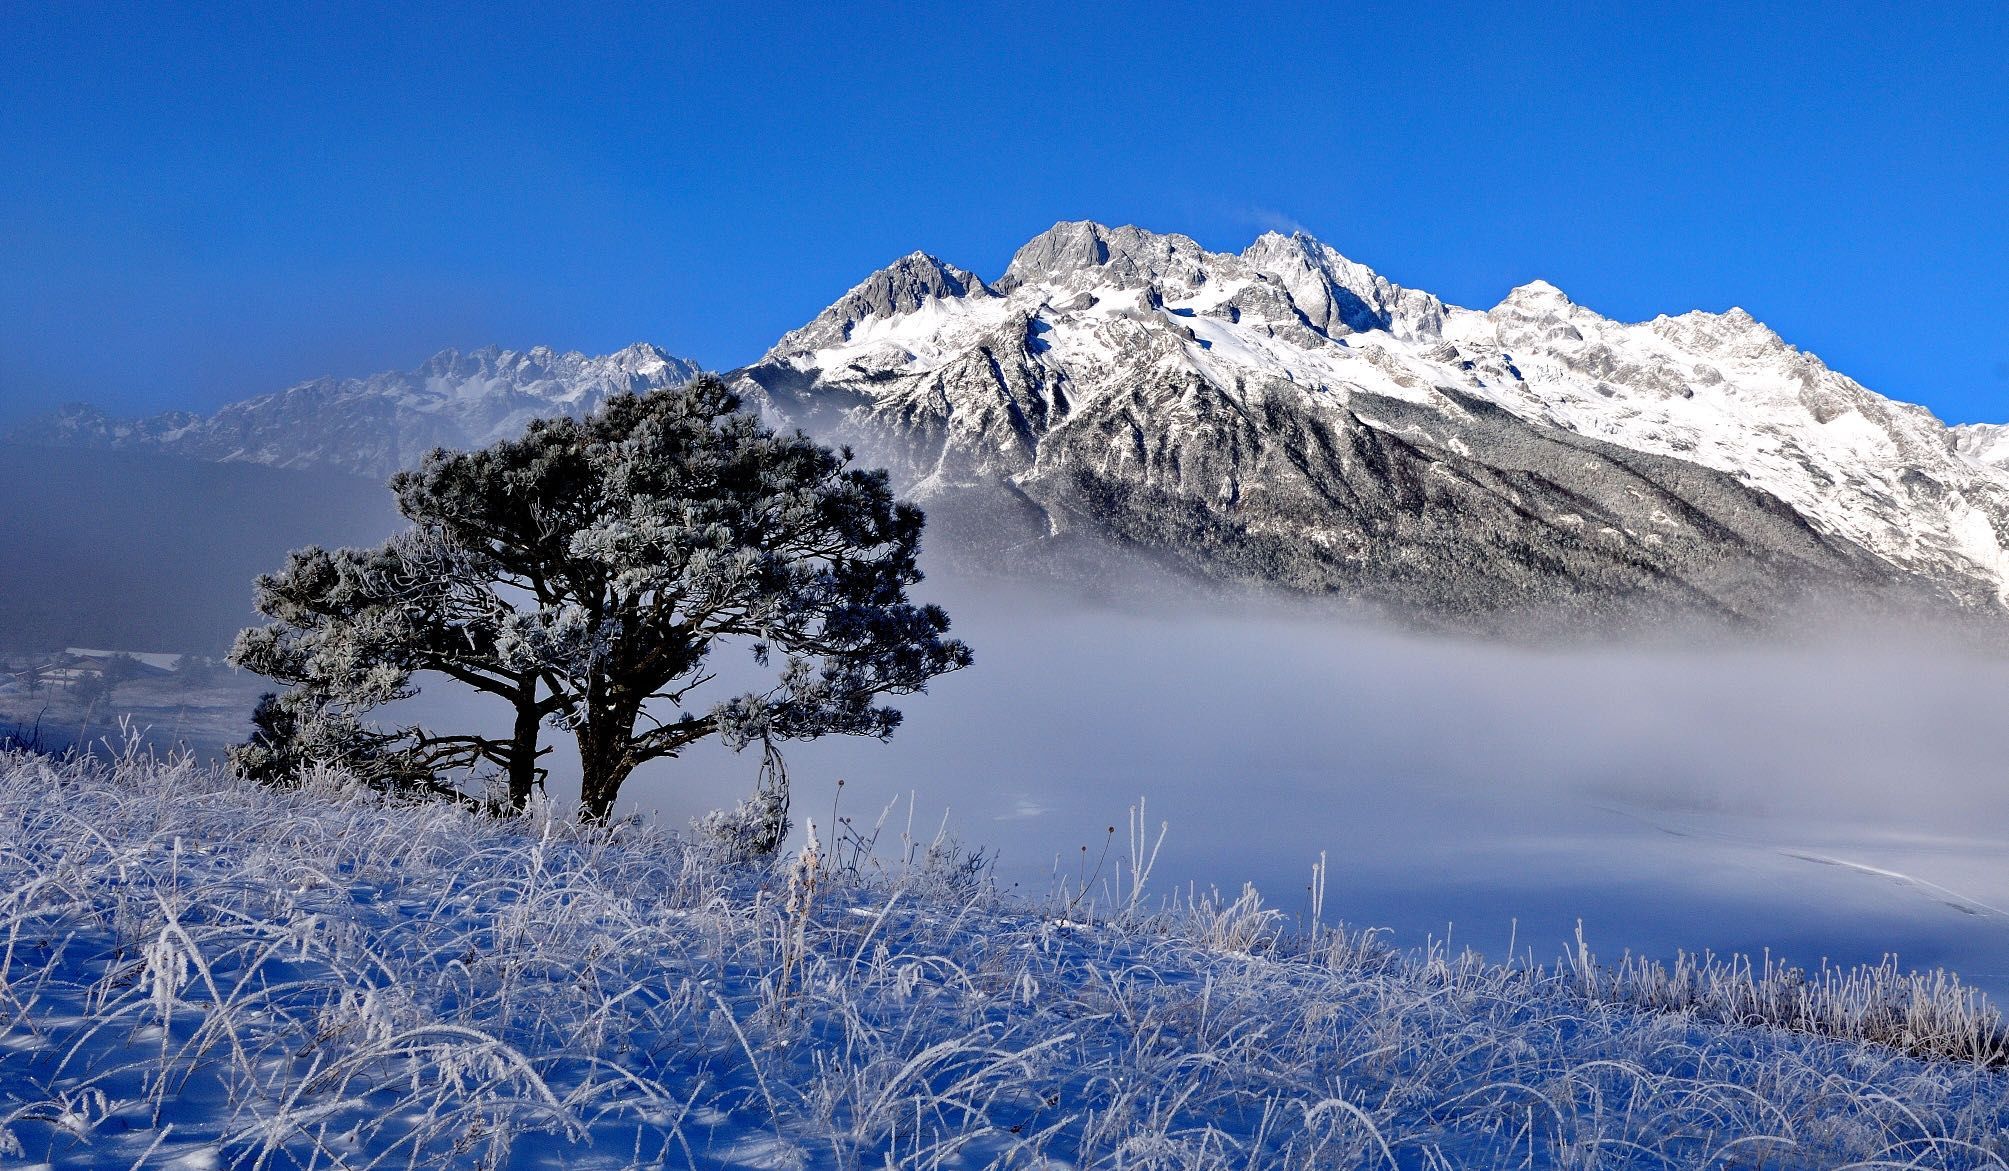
756 826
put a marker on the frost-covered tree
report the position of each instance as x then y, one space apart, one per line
353 627
594 568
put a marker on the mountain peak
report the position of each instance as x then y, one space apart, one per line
651 363
1341 296
907 284
1733 329
636 353
1127 256
1303 248
1296 238
1536 292
912 281
1126 377
641 352
1069 244
380 423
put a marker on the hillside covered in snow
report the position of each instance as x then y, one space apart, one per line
198 973
1284 417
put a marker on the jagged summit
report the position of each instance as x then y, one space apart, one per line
1123 257
1339 296
908 284
1288 414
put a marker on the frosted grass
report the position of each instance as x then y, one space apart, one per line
194 972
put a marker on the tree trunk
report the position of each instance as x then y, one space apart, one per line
598 786
523 754
603 764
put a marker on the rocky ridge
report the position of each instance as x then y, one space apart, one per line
1281 416
1288 416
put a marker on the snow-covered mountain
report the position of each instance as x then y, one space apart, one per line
1285 416
1289 416
375 425
1986 443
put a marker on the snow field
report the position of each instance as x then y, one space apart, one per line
198 973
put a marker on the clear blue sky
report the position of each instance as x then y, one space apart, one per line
194 208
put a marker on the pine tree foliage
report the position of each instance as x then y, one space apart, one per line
588 571
353 627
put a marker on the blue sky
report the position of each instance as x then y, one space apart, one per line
194 208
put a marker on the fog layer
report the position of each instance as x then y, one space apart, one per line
1833 795
141 552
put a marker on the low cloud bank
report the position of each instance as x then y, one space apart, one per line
1836 792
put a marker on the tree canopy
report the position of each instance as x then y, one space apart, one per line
587 573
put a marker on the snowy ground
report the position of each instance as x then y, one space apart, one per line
198 974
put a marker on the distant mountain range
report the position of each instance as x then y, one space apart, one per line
374 426
1289 417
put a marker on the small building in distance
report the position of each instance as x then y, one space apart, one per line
74 665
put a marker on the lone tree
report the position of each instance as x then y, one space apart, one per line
585 573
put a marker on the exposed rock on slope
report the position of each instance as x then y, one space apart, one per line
1288 416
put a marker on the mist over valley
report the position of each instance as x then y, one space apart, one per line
1815 789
